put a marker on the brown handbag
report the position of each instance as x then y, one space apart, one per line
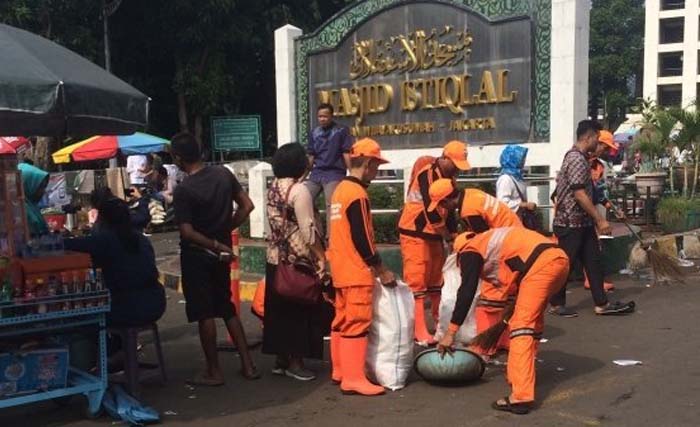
297 281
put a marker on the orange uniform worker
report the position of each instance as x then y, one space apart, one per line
505 257
480 212
421 235
354 264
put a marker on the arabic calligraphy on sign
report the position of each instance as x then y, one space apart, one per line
418 50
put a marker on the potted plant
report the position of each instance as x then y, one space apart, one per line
653 142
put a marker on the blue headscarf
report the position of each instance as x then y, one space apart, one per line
33 178
513 161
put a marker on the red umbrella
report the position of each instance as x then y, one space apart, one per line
14 144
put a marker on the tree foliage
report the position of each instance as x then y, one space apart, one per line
616 53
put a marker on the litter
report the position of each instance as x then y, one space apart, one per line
170 413
192 396
626 271
544 340
560 369
627 362
540 360
182 301
685 263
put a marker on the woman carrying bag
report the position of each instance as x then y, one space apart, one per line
293 327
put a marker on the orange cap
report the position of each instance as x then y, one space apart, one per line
462 240
439 190
367 147
457 152
605 137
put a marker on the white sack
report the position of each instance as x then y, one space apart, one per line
453 279
390 348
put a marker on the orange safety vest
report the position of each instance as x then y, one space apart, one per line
414 219
508 253
347 266
496 214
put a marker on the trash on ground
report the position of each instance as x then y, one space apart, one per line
192 396
626 271
560 369
182 301
627 362
170 413
544 340
685 263
540 360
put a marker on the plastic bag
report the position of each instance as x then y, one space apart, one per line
453 279
390 348
121 406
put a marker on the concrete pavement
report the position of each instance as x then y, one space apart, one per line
578 384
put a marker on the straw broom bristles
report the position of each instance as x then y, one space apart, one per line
489 338
664 265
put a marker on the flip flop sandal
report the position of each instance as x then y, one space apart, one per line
520 408
256 375
202 381
617 308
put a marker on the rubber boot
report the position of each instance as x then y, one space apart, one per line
421 334
336 373
435 307
353 353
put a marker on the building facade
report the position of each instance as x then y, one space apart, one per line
671 50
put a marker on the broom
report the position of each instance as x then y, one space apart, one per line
489 338
662 265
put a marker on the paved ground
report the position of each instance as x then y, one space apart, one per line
578 385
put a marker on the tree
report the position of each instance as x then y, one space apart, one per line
616 51
689 137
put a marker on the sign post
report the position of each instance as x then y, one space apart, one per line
236 133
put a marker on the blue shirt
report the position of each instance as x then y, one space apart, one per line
327 146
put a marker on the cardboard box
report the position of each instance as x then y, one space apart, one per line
33 371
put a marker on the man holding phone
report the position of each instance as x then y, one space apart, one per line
204 213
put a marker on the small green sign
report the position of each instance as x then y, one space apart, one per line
236 133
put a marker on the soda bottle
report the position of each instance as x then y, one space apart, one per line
88 287
52 291
29 296
78 288
41 293
66 290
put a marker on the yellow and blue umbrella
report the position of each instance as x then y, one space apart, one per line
107 146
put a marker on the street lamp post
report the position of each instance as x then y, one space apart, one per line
107 10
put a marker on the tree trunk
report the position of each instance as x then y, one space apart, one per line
42 152
198 129
182 112
695 177
673 192
685 180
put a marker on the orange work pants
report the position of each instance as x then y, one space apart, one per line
353 311
422 263
547 275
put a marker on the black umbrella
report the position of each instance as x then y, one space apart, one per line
46 89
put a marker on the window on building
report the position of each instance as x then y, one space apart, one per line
670 64
669 95
672 4
671 30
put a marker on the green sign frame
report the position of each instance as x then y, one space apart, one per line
236 133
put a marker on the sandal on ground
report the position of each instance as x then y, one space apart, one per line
562 311
203 380
255 375
617 308
520 408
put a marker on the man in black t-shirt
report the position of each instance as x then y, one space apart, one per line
204 212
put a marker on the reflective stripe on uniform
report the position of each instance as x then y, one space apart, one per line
492 259
523 332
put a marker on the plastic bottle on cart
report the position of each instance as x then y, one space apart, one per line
41 293
78 290
66 290
87 274
29 296
52 288
99 285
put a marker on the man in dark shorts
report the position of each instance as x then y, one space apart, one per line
204 212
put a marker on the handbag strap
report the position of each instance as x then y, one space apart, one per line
517 188
285 216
